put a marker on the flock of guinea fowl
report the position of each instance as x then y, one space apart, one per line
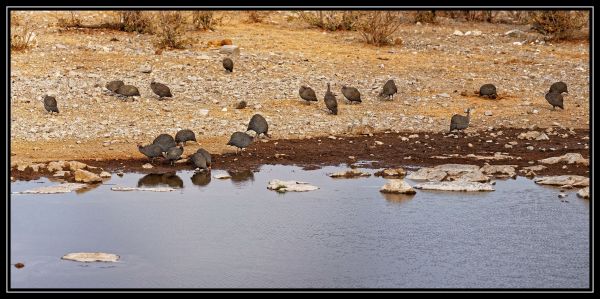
172 148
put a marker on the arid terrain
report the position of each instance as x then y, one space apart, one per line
436 70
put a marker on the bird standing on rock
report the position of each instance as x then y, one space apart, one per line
460 122
555 99
50 104
259 125
308 94
240 140
185 135
389 89
330 101
228 64
152 151
488 91
161 90
351 93
173 154
165 141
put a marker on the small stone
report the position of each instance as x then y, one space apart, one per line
488 113
458 32
530 147
378 142
105 174
146 69
203 112
470 145
147 166
397 186
86 176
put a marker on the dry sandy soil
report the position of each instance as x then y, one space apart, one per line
436 73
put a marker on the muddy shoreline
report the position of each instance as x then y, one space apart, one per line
381 150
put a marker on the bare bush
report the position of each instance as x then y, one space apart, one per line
73 21
256 16
377 27
425 16
170 30
557 24
135 20
331 20
205 20
22 35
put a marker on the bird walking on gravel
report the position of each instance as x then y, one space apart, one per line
460 122
389 89
161 90
50 104
559 87
165 141
114 85
152 151
240 140
259 125
488 91
555 99
307 94
330 101
185 135
351 93
173 154
128 91
228 64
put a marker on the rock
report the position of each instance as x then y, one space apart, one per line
37 167
529 135
530 148
443 95
75 165
56 166
230 49
86 176
147 69
488 113
105 174
203 112
457 169
584 193
62 188
147 166
60 173
392 172
222 176
562 180
568 158
159 189
284 186
534 168
352 173
427 174
542 136
378 142
473 176
456 186
476 33
500 171
397 186
458 32
88 257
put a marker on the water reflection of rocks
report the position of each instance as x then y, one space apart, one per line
157 179
239 177
201 178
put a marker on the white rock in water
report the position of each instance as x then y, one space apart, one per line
584 193
62 188
428 174
569 158
222 176
88 257
562 180
456 186
284 186
60 173
230 49
499 170
86 176
392 172
105 174
160 189
147 166
397 186
349 174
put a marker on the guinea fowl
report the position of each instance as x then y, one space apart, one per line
128 91
114 85
165 141
173 154
555 99
199 161
206 155
185 135
389 89
239 140
152 151
50 104
460 122
330 101
559 87
308 94
228 64
160 89
488 91
259 125
351 93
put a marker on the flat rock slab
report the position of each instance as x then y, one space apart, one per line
221 176
397 186
584 193
88 257
455 186
563 180
568 158
392 173
352 173
501 171
494 157
285 186
160 189
62 188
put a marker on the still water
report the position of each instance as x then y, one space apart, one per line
235 233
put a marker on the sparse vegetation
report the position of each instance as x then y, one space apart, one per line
205 20
73 21
135 20
425 16
331 20
256 16
558 25
170 30
22 35
377 27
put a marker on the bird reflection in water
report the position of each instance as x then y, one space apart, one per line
239 177
161 179
201 178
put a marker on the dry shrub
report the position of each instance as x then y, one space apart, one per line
170 30
558 24
425 16
135 20
377 27
478 15
205 20
256 16
22 33
73 21
331 20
